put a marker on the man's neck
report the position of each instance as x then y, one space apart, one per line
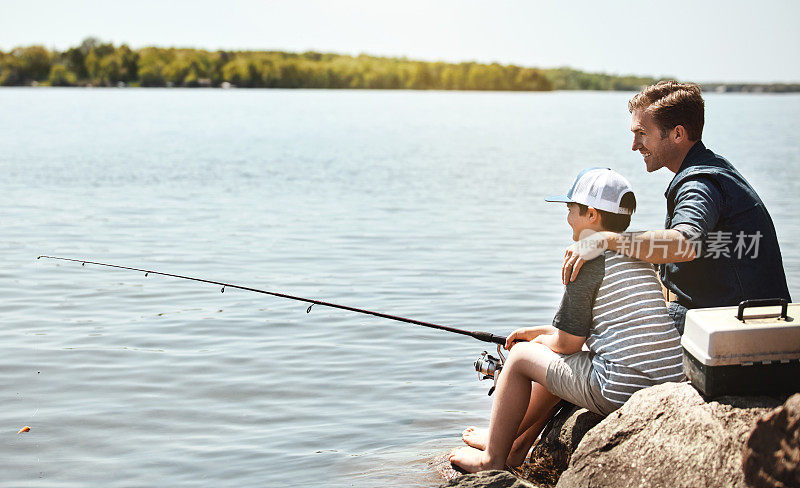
675 163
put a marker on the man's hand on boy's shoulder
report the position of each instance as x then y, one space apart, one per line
586 249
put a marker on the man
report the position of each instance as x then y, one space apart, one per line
719 245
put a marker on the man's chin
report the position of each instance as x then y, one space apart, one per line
651 167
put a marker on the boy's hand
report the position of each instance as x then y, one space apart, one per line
586 249
525 334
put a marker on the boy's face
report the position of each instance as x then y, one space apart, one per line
582 224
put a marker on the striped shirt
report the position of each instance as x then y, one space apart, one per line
617 304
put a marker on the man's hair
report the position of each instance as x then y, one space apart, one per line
613 221
672 104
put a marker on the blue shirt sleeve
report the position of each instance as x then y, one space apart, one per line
698 205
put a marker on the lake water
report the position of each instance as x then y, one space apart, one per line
422 204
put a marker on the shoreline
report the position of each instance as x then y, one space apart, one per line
720 90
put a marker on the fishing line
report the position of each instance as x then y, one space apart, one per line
479 335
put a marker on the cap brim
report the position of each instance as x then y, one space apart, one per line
559 199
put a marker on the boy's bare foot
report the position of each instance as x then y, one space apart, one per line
475 437
479 438
472 460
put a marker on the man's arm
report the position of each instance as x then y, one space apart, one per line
697 211
652 246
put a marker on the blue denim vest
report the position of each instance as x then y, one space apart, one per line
722 275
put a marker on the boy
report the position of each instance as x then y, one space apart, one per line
615 307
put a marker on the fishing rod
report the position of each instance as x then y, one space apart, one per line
481 336
487 366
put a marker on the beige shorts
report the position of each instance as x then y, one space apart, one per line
570 377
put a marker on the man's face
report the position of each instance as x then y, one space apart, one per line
656 150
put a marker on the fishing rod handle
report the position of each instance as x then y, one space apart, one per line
488 337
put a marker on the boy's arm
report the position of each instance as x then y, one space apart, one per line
572 323
561 342
527 334
573 320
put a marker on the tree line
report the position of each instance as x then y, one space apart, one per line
94 63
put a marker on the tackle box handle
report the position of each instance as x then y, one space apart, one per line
764 302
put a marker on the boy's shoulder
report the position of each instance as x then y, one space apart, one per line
591 275
594 267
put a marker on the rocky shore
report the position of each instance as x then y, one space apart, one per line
667 435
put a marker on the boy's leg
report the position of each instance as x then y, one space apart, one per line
528 432
539 412
527 363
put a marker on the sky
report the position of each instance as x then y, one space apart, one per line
701 41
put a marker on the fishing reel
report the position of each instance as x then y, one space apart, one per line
489 367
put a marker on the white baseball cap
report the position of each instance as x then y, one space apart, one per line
601 188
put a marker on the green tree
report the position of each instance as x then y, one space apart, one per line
238 71
150 66
101 63
531 79
103 66
128 63
28 64
75 62
60 75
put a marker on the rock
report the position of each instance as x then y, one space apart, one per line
441 465
551 454
667 435
772 453
489 479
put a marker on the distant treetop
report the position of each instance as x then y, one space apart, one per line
94 63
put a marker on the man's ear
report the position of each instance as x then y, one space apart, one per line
679 134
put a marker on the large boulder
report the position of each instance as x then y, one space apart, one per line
772 453
668 435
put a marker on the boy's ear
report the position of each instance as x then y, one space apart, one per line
593 214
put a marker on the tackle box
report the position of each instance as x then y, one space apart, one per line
752 349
